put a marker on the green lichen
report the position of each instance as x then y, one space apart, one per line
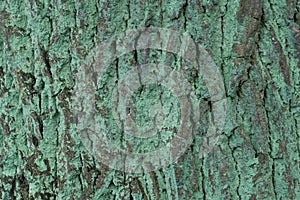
253 43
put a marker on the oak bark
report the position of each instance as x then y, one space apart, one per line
255 45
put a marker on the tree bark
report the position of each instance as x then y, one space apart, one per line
255 45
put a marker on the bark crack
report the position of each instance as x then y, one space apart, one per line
203 179
268 120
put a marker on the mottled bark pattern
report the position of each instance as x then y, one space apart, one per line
254 43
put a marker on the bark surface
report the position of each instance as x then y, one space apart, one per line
255 45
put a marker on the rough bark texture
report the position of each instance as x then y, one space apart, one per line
254 43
